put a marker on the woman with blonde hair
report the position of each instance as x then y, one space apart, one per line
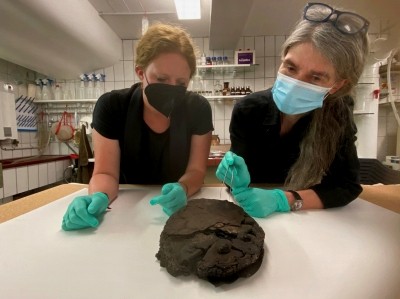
155 132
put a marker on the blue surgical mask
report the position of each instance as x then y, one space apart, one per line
293 96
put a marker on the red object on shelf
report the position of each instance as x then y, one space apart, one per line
376 93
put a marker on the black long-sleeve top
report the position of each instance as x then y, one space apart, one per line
255 135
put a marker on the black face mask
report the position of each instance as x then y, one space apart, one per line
163 97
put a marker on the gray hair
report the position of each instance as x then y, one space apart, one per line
332 124
346 52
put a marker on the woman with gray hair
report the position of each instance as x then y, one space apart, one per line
301 133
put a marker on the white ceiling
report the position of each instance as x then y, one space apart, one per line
224 21
62 39
125 16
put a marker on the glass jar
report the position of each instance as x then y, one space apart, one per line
248 90
226 91
217 88
197 84
225 60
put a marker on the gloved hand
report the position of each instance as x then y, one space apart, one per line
233 164
172 198
84 211
261 203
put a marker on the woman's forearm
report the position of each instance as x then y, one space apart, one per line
193 180
104 183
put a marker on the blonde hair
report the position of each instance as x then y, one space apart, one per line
165 38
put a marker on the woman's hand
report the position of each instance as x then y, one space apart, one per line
260 202
84 211
232 170
172 198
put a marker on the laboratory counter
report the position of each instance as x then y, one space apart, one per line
386 196
348 252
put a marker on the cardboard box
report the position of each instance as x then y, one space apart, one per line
245 57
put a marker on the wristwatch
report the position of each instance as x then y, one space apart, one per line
298 201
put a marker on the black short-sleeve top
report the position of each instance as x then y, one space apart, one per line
148 157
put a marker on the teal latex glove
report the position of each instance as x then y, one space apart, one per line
172 198
233 166
84 211
261 203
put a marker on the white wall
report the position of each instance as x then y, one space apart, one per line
366 112
373 140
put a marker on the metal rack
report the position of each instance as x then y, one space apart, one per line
79 106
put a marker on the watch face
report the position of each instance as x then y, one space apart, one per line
297 205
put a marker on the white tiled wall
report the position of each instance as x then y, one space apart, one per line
262 76
25 178
366 109
387 132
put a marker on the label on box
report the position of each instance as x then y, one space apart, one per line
245 57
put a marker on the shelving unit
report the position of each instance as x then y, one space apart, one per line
362 112
57 107
66 101
385 100
216 98
394 72
365 83
362 87
219 69
228 67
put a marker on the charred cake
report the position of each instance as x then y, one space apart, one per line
213 239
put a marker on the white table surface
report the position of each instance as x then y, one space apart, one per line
351 252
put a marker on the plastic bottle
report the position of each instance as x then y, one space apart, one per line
45 90
38 90
50 87
90 87
203 59
97 88
81 90
57 92
69 91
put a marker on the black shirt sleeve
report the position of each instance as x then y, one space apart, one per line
254 132
109 113
200 114
341 184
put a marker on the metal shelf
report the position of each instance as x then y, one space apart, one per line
385 100
224 68
362 112
224 97
66 101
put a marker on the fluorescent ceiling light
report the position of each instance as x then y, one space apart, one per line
188 9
